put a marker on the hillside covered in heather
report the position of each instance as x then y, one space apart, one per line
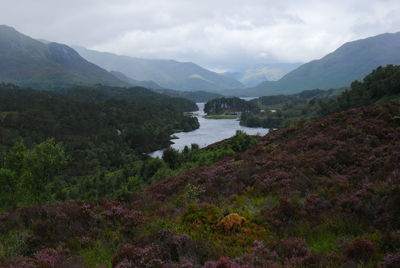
324 193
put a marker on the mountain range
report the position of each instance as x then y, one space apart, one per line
30 63
166 73
43 64
352 61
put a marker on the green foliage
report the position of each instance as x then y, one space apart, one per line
26 173
241 142
40 165
172 157
382 83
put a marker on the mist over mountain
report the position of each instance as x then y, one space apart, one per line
352 61
166 73
31 63
259 73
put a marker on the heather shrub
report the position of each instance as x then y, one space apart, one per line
131 256
288 209
281 217
391 260
130 220
260 256
360 249
293 252
44 258
292 247
49 258
177 248
223 262
19 261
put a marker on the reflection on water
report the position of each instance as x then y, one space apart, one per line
210 131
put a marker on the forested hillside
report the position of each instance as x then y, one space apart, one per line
99 130
382 85
81 113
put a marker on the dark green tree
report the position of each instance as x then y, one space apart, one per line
26 173
172 157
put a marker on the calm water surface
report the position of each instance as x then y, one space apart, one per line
210 131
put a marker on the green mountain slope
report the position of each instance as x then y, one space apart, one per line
27 62
352 61
146 84
167 73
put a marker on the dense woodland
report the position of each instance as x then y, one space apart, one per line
318 193
100 130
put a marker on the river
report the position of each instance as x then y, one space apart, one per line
210 131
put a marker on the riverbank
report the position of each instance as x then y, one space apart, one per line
209 132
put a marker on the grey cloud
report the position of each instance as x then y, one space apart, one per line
219 34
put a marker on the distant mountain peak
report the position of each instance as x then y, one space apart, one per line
31 63
4 27
351 61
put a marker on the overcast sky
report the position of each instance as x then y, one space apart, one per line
217 34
